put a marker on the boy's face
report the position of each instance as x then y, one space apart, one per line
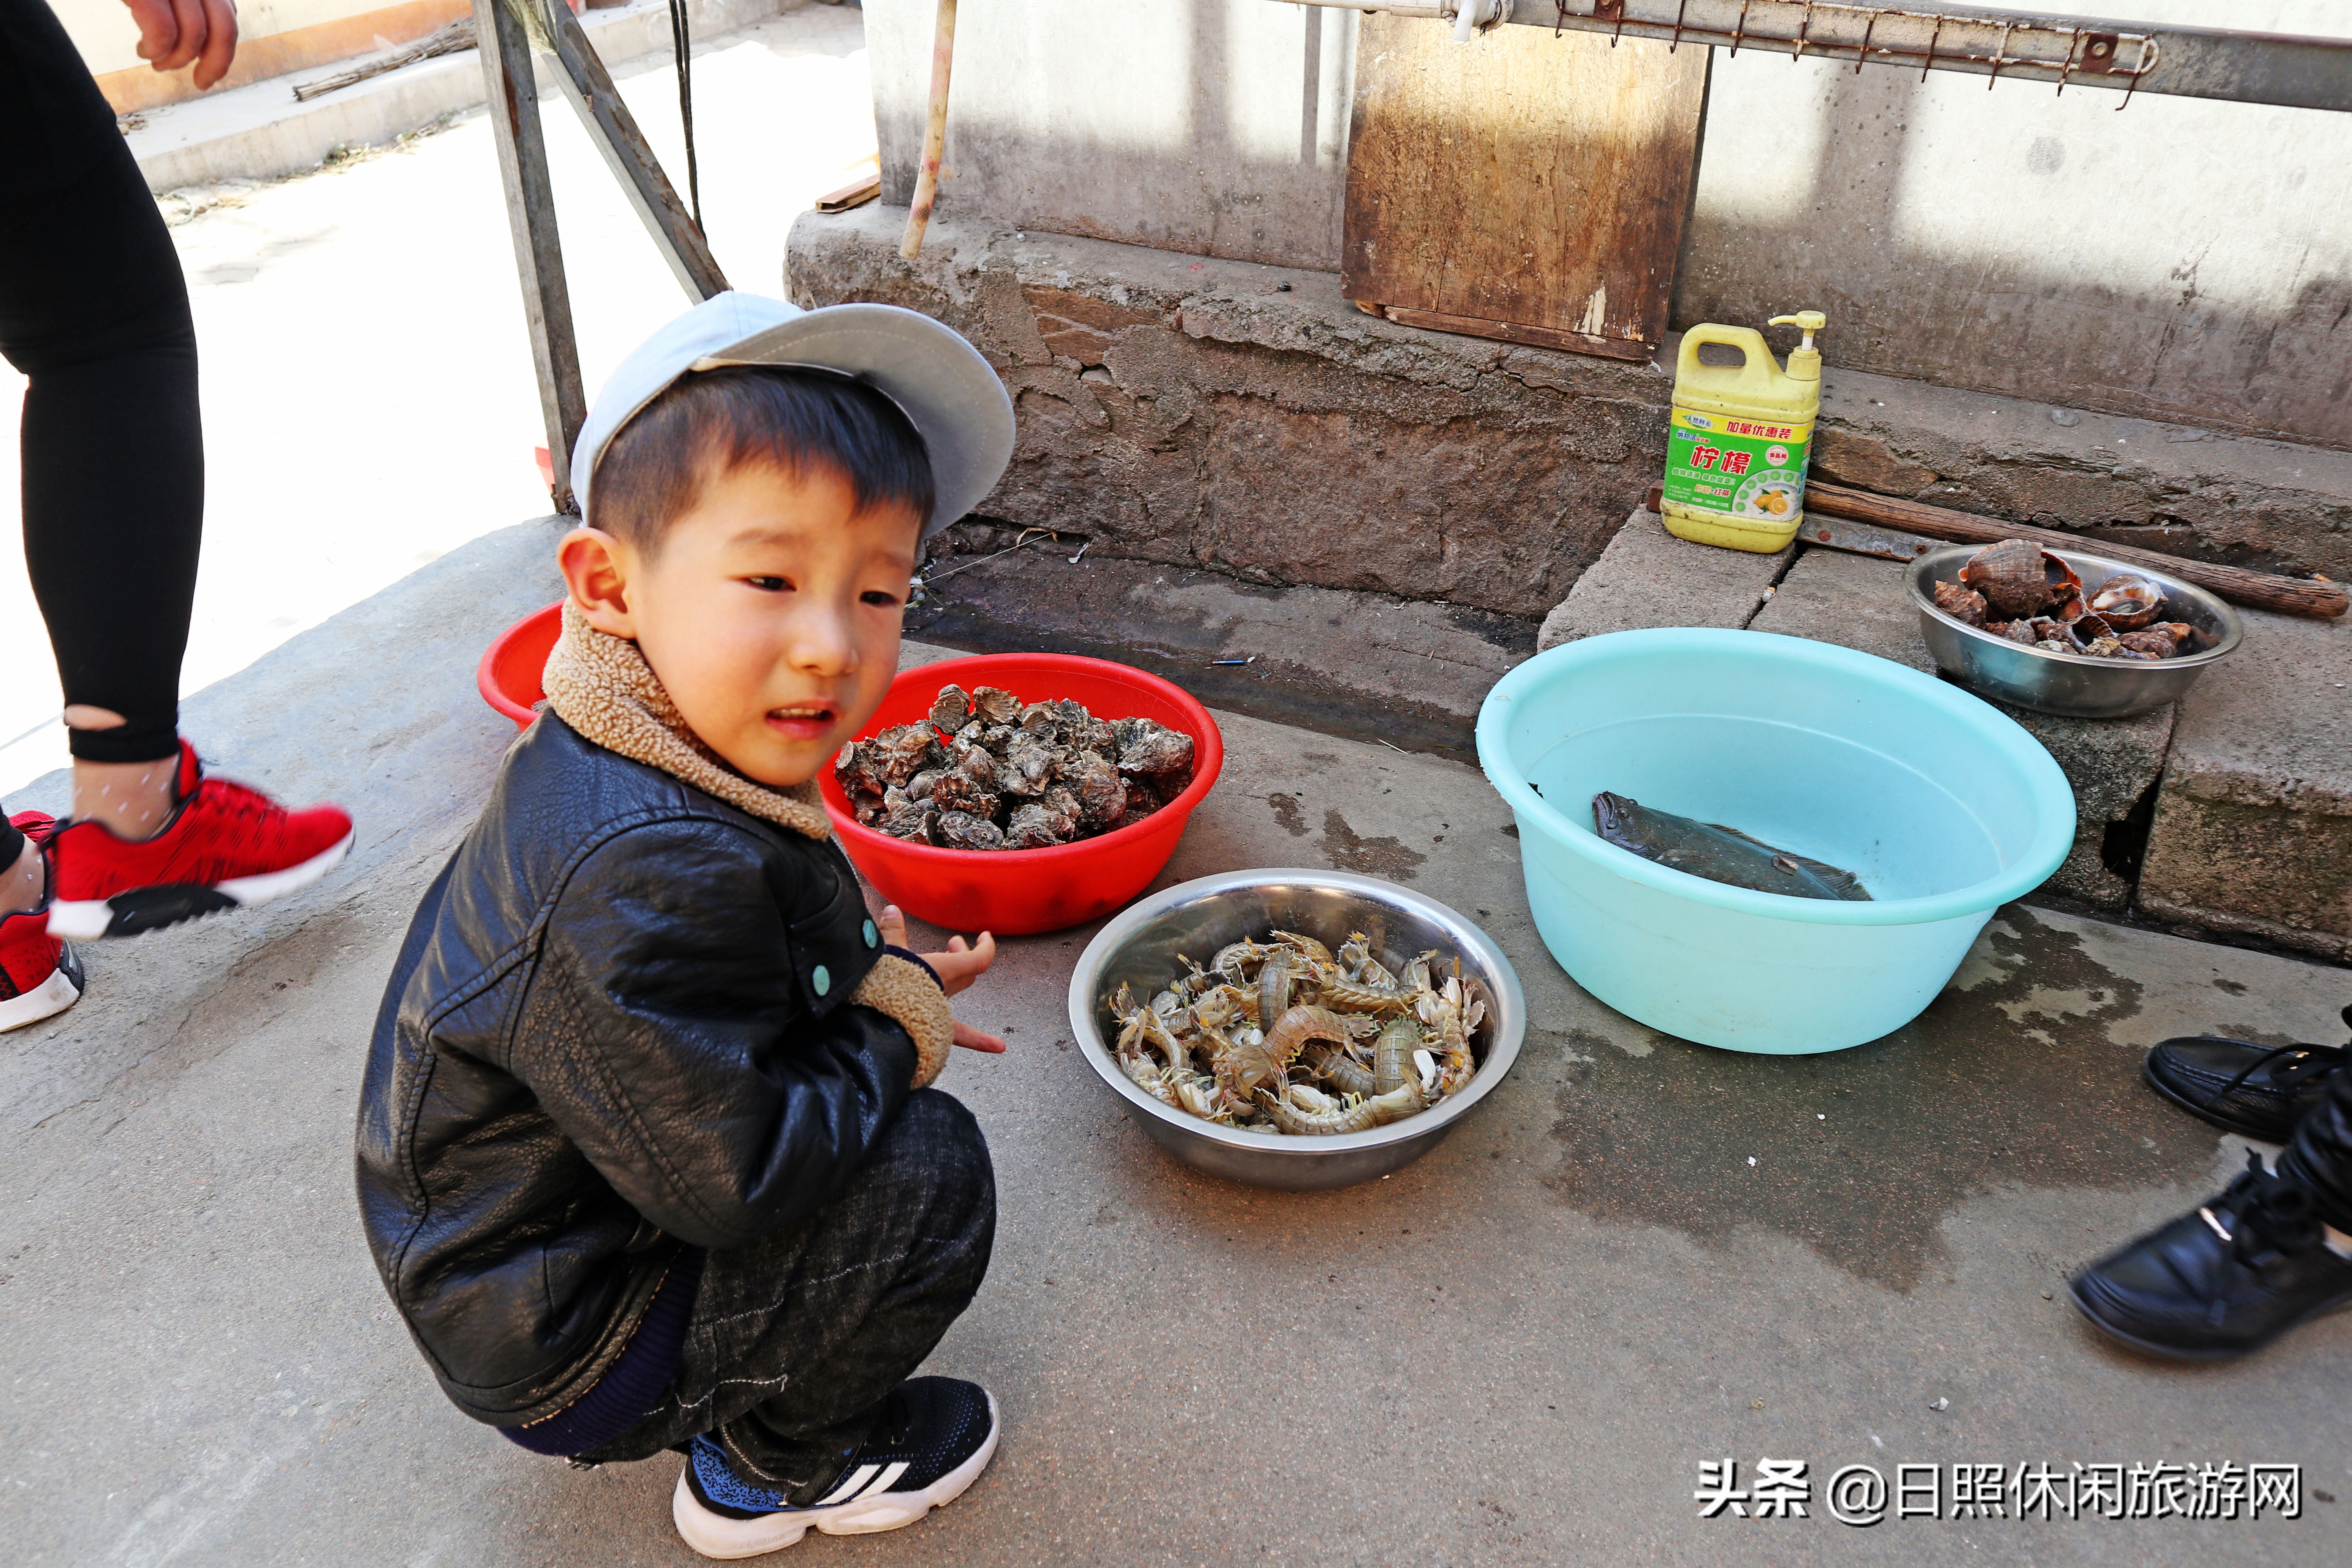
770 610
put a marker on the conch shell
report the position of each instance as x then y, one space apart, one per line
2018 577
2052 633
2129 601
1965 606
2159 641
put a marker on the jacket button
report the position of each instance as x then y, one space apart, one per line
872 936
821 980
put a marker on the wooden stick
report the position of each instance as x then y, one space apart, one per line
2262 590
934 133
855 194
580 73
513 93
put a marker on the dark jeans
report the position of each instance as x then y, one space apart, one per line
94 312
797 1338
2320 1154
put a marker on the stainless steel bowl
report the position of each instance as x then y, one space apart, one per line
1139 948
2072 684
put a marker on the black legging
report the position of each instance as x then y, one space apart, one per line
94 312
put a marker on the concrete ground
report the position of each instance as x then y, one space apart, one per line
368 397
1517 1350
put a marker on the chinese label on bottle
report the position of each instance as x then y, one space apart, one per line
1737 468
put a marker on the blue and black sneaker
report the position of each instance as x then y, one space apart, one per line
934 1437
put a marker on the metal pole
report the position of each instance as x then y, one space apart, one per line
531 217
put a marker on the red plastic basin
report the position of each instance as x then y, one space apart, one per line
1017 892
1012 892
509 674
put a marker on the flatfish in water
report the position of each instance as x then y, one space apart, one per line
1718 853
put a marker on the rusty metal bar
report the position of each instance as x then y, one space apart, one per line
2056 50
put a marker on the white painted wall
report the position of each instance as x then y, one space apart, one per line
1214 126
103 31
2181 259
2176 258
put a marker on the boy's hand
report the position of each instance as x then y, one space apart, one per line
973 1039
957 968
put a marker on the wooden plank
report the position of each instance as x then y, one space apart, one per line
614 130
1523 183
538 252
855 194
2260 590
1513 332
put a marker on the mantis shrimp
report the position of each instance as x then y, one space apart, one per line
1304 1040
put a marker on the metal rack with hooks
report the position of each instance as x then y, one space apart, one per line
2062 51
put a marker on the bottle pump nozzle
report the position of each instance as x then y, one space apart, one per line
1804 359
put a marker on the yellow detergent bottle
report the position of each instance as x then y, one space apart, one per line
1735 452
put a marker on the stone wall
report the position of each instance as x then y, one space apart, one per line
1248 419
2172 488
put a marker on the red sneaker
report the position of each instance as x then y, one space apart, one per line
225 847
39 975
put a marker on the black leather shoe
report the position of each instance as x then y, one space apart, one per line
2261 1091
2222 1280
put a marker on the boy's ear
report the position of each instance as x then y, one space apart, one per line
596 568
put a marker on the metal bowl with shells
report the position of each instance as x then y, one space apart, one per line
2050 677
1141 948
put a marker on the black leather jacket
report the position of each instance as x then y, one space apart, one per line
616 1026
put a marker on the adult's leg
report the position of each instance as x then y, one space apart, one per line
94 312
798 1338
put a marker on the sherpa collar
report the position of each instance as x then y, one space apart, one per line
601 686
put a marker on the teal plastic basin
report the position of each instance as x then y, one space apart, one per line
1943 805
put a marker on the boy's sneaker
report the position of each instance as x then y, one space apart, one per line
39 975
936 1435
224 846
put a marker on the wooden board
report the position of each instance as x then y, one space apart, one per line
1525 186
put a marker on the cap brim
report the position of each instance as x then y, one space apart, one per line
956 402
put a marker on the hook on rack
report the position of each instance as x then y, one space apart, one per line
1740 28
2147 63
2000 49
1937 32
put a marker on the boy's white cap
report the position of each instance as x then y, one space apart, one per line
937 379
